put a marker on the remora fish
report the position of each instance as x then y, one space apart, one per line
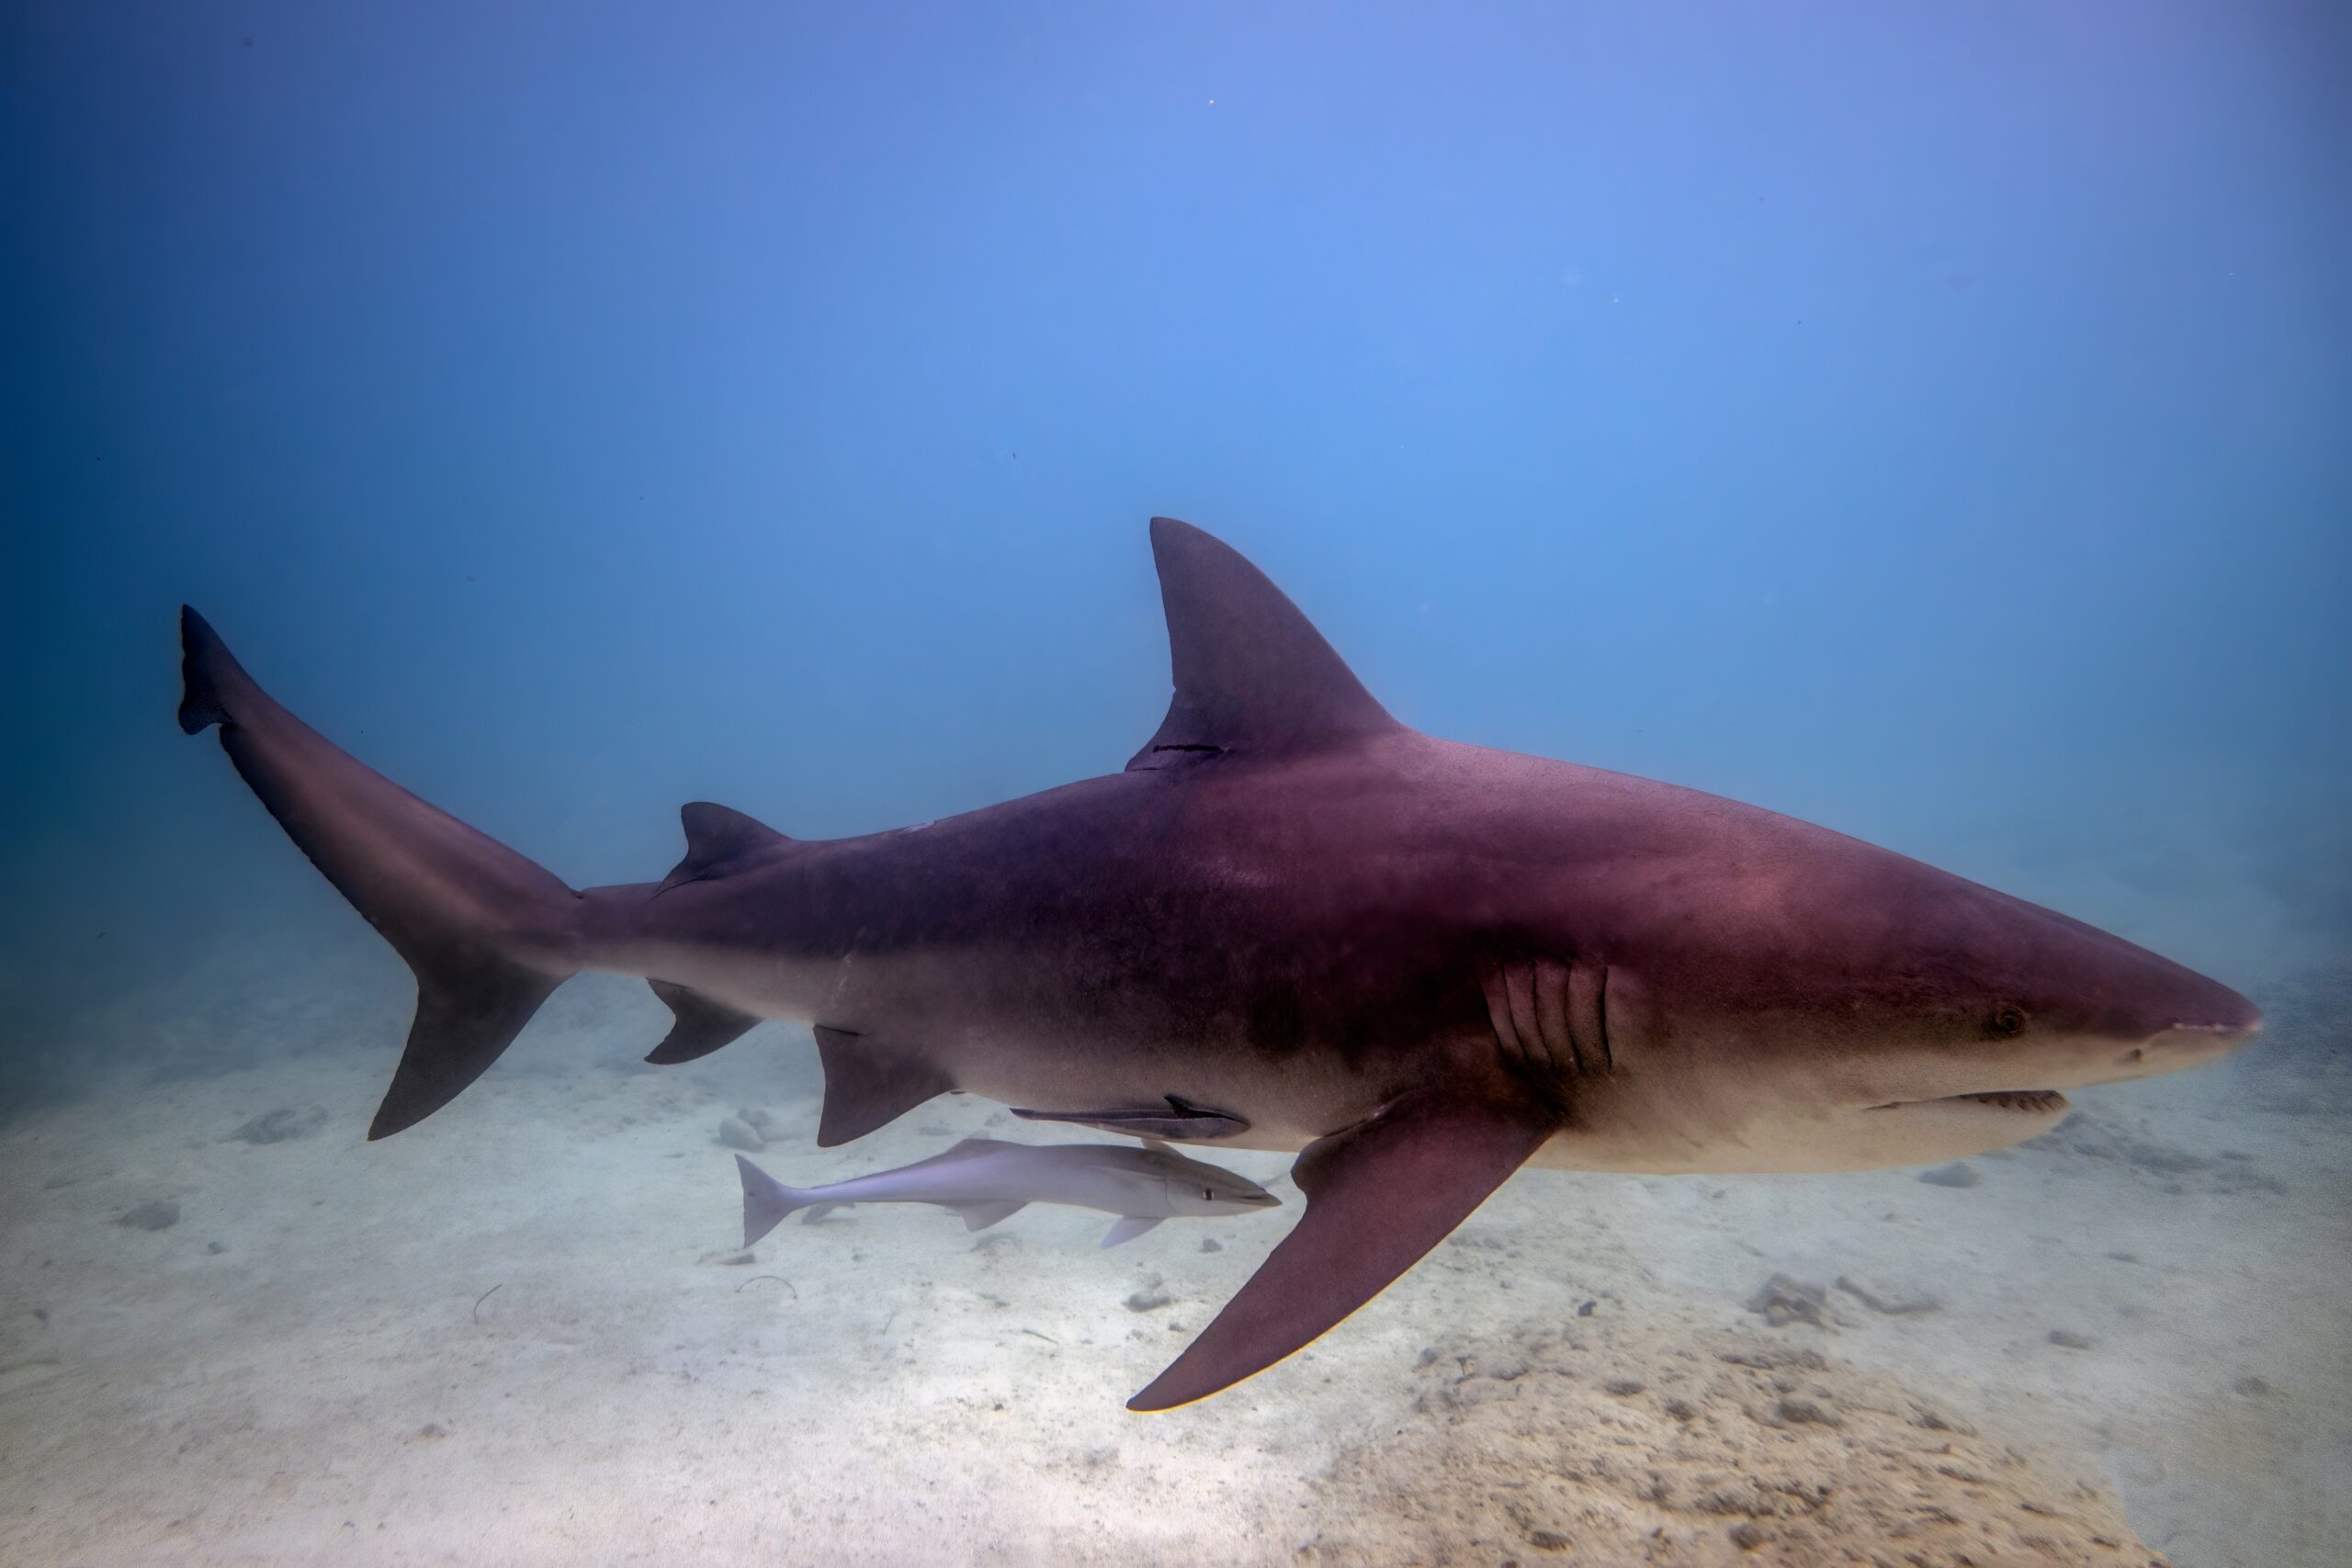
1424 964
985 1180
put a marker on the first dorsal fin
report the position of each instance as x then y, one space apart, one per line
1253 676
719 841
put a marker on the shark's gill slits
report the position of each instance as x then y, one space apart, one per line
1601 1023
1588 1014
1550 1018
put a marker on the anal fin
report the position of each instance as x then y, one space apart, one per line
1379 1194
702 1026
870 1081
980 1216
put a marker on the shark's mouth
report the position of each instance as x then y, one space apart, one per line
2032 1102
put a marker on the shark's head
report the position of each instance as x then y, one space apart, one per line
1872 1010
1195 1188
2000 1004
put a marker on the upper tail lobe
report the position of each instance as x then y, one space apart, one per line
489 934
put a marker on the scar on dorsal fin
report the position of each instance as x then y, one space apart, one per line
1253 675
719 841
1175 1118
869 1082
1379 1195
702 1026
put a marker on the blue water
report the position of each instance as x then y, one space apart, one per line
1928 420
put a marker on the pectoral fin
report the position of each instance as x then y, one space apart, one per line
1127 1228
1379 1195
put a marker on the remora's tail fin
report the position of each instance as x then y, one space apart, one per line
766 1200
489 934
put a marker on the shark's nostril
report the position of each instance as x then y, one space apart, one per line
2134 1054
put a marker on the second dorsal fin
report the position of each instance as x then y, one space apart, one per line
1253 677
719 841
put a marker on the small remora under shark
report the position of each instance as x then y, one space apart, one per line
986 1180
1308 926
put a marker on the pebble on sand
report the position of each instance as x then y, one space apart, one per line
160 1215
280 1125
1801 1412
738 1134
2067 1339
729 1259
1959 1173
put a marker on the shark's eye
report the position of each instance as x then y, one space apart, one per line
1207 1196
2006 1020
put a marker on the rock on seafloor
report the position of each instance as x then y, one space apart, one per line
1880 1296
160 1215
1780 1300
281 1125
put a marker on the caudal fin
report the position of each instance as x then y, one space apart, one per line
766 1200
489 934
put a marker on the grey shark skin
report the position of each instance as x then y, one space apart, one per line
1423 963
986 1180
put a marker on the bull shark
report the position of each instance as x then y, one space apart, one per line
986 1180
1291 923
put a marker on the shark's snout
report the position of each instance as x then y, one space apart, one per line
2174 998
2186 1023
2102 1008
2186 1045
2230 1014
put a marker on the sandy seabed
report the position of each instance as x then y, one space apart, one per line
520 1333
